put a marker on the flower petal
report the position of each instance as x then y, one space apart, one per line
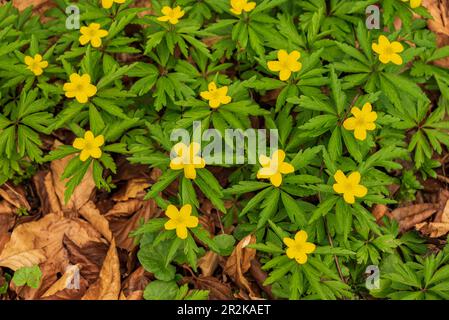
276 179
301 237
171 211
181 232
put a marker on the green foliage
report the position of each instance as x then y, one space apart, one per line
149 75
28 276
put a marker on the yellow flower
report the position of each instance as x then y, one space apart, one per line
36 64
388 51
216 96
187 159
180 220
414 3
362 121
108 3
92 34
241 5
89 146
286 64
274 168
80 88
349 186
171 15
299 248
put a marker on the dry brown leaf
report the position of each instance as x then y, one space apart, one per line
135 188
89 258
82 192
439 227
217 289
240 261
64 282
38 241
379 210
90 212
107 286
121 227
15 196
208 263
410 216
124 209
45 188
135 284
439 9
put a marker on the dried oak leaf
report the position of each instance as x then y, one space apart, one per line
439 227
43 181
63 283
107 287
239 262
134 285
208 263
15 196
217 289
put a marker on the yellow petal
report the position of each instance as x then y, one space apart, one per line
383 41
186 210
99 141
301 236
354 178
29 60
79 143
291 253
205 95
96 42
360 133
75 77
349 124
170 225
285 74
274 66
264 160
166 10
301 258
163 18
282 55
181 232
415 3
286 168
339 188
81 97
276 179
95 153
85 78
349 197
225 100
176 164
309 247
340 177
360 191
289 242
172 212
214 103
91 90
397 47
249 6
189 171
192 222
396 59
84 155
43 64
106 3
89 136
279 156
385 58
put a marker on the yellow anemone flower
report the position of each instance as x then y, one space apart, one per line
36 64
414 3
241 5
299 248
388 51
216 96
286 64
172 15
349 186
108 3
80 88
187 158
180 220
89 146
273 168
92 34
362 121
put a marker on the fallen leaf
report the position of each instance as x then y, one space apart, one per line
208 263
134 285
410 216
124 209
379 210
121 227
82 192
15 196
135 188
46 192
90 212
217 289
439 9
64 282
239 262
107 286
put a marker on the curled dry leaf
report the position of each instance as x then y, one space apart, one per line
217 289
107 287
35 242
15 196
239 262
439 9
134 285
379 210
208 263
43 181
439 227
64 282
82 192
122 226
410 216
90 212
134 188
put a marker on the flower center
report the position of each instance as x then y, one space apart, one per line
389 50
89 145
92 33
80 87
180 220
360 122
172 14
35 65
